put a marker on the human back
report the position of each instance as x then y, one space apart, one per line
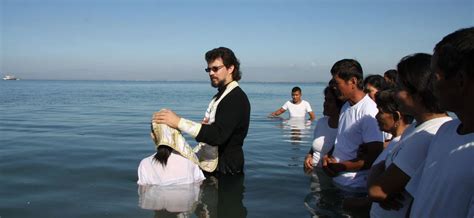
168 166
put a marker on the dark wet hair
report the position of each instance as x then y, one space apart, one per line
415 76
376 81
385 101
229 59
163 152
296 89
329 90
392 76
348 68
454 53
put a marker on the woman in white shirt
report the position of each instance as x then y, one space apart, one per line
172 164
415 95
392 121
325 130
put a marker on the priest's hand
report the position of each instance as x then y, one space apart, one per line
167 117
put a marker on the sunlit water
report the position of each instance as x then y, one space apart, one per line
71 149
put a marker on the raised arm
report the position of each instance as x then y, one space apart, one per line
277 112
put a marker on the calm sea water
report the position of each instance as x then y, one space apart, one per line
71 149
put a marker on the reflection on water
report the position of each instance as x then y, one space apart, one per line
326 200
171 199
323 199
222 197
298 130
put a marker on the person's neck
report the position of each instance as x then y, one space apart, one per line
297 102
333 121
424 116
399 131
357 95
222 88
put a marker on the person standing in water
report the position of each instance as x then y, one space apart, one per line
357 128
297 107
227 118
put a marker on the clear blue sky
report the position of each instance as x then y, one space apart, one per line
166 40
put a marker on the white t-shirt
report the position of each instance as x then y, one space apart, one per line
297 110
408 155
382 156
324 137
178 170
446 184
357 125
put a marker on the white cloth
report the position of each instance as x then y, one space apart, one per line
408 155
324 137
178 170
357 125
382 156
297 110
446 184
413 147
172 198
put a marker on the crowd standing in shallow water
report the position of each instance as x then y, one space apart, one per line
376 156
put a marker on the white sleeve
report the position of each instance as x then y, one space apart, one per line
370 130
285 106
142 175
413 153
412 185
308 107
189 127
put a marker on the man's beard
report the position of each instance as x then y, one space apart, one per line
219 84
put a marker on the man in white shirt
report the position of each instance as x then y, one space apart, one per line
296 107
443 186
357 130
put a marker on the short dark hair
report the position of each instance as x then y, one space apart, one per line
376 81
229 59
385 101
329 90
416 77
296 89
348 68
453 53
392 76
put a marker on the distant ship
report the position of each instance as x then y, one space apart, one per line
10 77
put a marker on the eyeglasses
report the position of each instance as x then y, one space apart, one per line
214 69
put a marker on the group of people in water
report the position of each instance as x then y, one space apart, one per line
387 141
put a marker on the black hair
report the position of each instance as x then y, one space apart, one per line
385 101
415 77
453 53
163 152
229 59
296 89
392 76
348 68
376 81
329 90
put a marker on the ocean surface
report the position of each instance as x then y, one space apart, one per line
72 148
